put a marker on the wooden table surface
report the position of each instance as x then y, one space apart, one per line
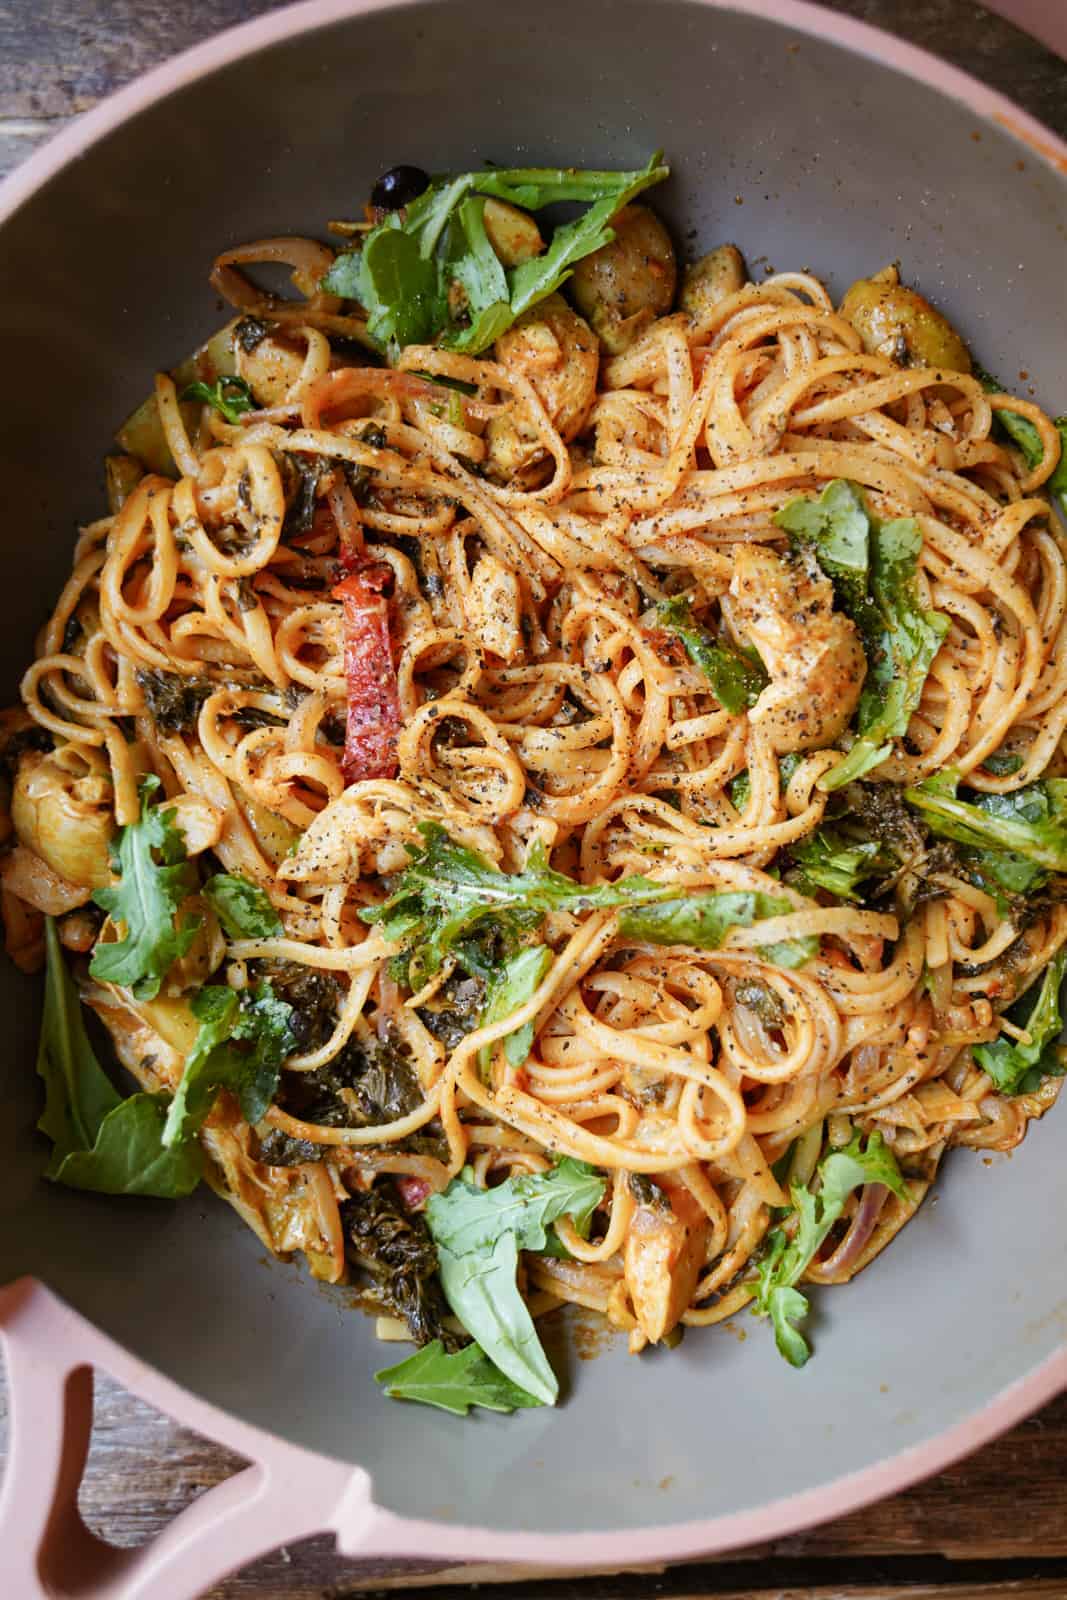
993 1526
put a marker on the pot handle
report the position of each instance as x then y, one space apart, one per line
284 1494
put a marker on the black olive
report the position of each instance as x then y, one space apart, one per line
398 187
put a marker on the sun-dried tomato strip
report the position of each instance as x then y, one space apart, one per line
373 701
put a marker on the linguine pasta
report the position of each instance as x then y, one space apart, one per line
517 526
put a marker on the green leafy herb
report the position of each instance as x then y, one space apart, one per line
787 1258
231 397
1018 1068
453 1381
1021 431
479 1233
100 1140
154 878
243 908
705 920
244 1037
1022 834
450 897
1002 765
828 859
737 679
873 568
408 264
515 982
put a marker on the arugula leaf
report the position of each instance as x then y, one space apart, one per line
511 986
837 526
409 262
243 908
737 679
705 920
453 1381
478 1234
100 1141
449 897
466 1218
474 264
231 397
1028 824
873 567
1018 1068
145 900
829 860
786 1259
1021 431
244 1037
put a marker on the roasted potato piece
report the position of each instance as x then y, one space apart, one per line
63 814
662 1260
623 286
901 324
142 436
715 276
270 367
513 234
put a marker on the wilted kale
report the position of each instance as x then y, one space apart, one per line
314 996
455 1009
395 1247
250 332
31 738
173 701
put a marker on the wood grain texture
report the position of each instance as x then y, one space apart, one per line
987 1529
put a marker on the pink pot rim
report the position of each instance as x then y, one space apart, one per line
63 1338
383 1532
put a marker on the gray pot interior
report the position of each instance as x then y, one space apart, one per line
807 156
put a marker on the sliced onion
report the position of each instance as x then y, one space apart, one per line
863 1225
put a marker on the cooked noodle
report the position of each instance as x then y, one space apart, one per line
540 700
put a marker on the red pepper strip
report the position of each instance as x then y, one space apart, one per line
373 701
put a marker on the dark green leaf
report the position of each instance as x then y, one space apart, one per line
1002 765
100 1141
243 1039
830 860
154 879
243 908
1021 431
231 397
736 679
1028 823
454 1382
516 981
1018 1068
